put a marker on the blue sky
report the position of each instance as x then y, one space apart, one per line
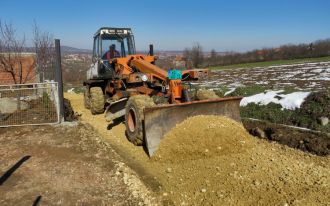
237 25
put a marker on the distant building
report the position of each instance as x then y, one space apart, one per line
29 74
179 62
277 50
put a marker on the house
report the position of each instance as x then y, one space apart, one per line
179 62
24 69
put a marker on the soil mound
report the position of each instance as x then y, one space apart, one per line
317 104
315 107
68 111
202 136
307 141
206 94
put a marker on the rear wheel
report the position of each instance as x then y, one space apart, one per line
96 100
134 117
87 100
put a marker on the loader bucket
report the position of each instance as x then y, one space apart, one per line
159 120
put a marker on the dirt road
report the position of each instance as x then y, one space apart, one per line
65 165
236 169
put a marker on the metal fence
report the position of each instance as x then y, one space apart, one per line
29 104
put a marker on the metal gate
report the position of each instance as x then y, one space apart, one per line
29 104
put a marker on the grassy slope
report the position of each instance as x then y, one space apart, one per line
306 116
272 63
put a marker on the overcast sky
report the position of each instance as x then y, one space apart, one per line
237 25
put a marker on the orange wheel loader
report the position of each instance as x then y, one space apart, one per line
122 83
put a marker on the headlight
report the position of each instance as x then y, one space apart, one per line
144 78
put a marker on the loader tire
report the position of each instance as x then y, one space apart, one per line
96 100
134 117
206 94
87 100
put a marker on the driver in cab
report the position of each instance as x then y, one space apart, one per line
111 53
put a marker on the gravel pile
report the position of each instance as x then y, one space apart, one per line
210 160
203 136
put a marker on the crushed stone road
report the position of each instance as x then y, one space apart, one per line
211 161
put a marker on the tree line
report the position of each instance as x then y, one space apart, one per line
195 57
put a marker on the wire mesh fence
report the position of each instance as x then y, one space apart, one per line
29 104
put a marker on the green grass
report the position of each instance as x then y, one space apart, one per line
271 63
275 114
248 90
315 106
271 112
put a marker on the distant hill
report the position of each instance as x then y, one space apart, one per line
64 50
72 50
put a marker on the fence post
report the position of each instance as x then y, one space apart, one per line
58 78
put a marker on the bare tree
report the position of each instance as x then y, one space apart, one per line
197 56
44 47
194 56
13 59
213 57
187 57
12 55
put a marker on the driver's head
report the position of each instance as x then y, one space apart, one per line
112 47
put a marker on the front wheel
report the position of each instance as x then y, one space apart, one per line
134 117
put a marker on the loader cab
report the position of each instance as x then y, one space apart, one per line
121 38
123 41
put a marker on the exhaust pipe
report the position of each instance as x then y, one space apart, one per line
151 49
